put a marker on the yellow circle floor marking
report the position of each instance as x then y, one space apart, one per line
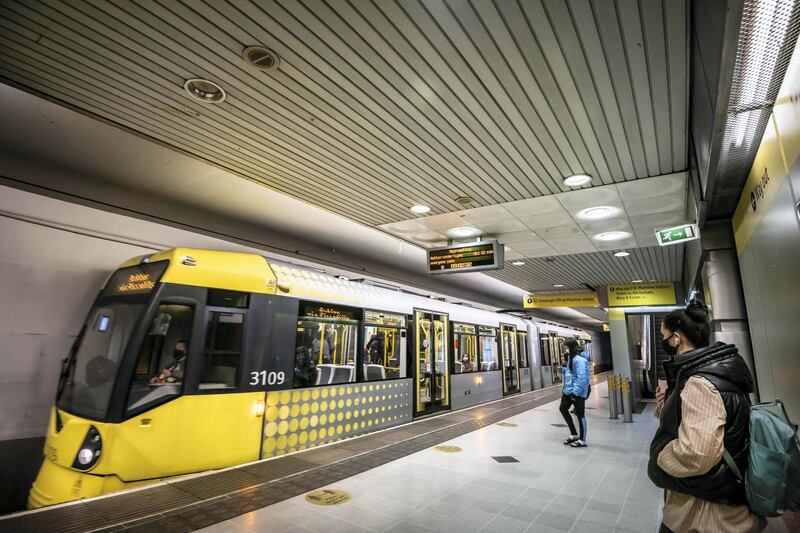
328 497
447 448
507 424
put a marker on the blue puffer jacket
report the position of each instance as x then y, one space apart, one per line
576 382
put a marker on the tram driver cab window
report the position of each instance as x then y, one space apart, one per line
163 357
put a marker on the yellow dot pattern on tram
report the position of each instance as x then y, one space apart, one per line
298 419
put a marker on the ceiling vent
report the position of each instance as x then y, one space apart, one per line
261 58
464 200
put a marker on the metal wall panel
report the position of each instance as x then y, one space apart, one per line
305 418
473 388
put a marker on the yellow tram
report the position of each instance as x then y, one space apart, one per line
192 360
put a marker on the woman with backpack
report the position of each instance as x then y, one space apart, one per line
704 413
574 392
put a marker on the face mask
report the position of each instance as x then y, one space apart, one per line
671 350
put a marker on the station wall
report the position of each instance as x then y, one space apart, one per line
54 256
767 231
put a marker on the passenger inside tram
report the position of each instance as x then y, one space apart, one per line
324 346
305 369
173 373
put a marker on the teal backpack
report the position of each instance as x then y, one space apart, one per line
772 481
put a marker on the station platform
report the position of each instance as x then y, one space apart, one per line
546 486
498 467
398 481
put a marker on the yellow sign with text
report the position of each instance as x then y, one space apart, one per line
606 327
537 301
641 294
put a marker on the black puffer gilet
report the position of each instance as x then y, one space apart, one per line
722 365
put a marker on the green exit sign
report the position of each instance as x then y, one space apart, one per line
687 232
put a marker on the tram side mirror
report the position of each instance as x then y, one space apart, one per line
160 324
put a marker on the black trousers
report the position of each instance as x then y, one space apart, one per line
566 402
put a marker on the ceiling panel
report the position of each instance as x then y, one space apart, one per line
636 208
477 109
660 263
377 106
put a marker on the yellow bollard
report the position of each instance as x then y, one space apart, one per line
612 393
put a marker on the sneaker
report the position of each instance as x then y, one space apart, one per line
578 444
571 439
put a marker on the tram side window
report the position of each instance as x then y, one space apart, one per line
488 353
222 351
163 357
325 353
383 357
465 348
522 349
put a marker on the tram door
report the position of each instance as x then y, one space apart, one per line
508 346
432 374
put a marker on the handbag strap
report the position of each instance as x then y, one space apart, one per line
731 464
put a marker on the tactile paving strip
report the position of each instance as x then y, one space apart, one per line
194 503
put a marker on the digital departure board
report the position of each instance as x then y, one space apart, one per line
466 258
139 279
328 312
380 318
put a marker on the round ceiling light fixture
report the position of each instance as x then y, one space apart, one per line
517 263
577 180
611 236
622 253
598 213
420 209
261 58
205 91
463 231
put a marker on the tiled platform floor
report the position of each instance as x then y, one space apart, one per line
601 488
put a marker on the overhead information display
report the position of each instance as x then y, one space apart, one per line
583 299
465 258
641 294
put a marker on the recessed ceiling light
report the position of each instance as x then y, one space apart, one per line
636 281
577 180
262 58
622 253
420 209
598 213
558 285
464 231
611 236
517 263
205 91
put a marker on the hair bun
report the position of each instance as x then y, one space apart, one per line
697 311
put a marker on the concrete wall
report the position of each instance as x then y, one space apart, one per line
767 234
54 256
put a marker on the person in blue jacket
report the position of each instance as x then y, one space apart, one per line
575 391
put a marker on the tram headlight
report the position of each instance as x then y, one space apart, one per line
89 452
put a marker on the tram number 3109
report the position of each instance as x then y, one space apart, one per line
267 378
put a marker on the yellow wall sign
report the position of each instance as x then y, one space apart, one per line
328 497
641 294
585 299
606 327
